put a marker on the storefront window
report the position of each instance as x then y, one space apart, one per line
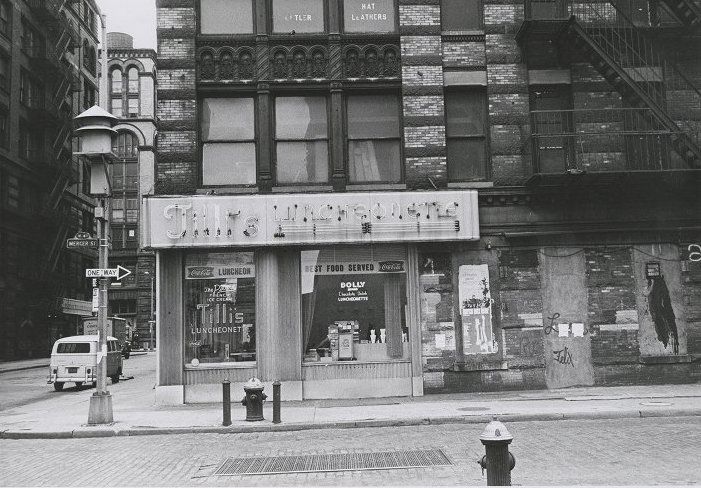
220 308
353 304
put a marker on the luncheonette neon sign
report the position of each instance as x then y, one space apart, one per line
281 219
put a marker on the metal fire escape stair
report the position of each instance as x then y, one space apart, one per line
687 11
644 92
601 34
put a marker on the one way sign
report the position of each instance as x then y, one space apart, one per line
119 272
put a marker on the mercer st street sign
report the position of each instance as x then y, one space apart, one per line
82 240
119 272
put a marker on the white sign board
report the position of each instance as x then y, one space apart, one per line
280 220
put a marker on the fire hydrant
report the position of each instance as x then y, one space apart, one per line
253 401
498 461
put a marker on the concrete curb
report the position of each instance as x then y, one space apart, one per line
22 368
84 433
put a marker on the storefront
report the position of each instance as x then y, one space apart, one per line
321 292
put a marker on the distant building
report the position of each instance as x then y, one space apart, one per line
48 74
132 95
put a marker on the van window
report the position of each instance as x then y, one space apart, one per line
73 348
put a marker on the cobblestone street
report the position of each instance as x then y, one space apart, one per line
611 452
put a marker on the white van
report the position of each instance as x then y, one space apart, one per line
74 359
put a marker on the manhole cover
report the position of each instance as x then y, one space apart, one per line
656 404
312 463
473 409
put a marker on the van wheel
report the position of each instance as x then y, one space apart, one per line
115 378
79 384
58 385
94 384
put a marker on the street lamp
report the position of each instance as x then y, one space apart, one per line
95 133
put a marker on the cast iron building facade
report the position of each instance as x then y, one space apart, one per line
48 74
401 197
132 99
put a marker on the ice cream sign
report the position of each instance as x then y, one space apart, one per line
268 220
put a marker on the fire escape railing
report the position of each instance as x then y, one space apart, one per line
627 58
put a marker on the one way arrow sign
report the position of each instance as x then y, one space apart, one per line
119 272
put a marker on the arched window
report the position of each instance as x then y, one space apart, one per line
125 145
133 74
116 81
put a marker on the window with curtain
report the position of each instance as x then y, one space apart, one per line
374 139
220 308
116 81
133 75
466 122
460 15
226 16
228 141
301 140
362 16
353 303
298 15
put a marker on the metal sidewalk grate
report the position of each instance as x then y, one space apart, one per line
313 463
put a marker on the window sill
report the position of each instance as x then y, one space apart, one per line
376 186
358 363
302 189
471 184
239 365
227 190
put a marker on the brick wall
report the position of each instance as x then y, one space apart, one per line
177 159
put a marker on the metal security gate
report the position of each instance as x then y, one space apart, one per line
313 463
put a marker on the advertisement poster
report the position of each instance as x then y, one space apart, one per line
476 309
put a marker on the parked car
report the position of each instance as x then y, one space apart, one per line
74 359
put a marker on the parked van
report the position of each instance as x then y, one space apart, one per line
74 359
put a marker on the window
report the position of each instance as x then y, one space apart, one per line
125 145
5 18
132 205
460 15
220 308
131 238
117 107
226 16
88 94
73 348
298 16
228 136
30 142
31 40
362 16
353 304
133 75
374 139
116 81
5 72
133 107
117 210
551 117
466 120
301 136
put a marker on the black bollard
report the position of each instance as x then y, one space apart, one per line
276 402
226 392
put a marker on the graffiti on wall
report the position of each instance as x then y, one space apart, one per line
659 306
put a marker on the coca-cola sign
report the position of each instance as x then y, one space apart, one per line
200 272
391 266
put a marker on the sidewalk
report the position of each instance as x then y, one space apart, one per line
135 413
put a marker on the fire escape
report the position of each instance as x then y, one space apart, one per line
55 116
656 127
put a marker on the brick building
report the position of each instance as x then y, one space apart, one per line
409 196
48 74
132 99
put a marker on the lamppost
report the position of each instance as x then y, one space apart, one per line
95 132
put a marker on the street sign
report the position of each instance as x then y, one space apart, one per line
90 243
82 240
95 300
119 272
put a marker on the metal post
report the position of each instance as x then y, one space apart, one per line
226 404
152 319
101 401
276 402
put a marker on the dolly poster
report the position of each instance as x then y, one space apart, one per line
476 310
